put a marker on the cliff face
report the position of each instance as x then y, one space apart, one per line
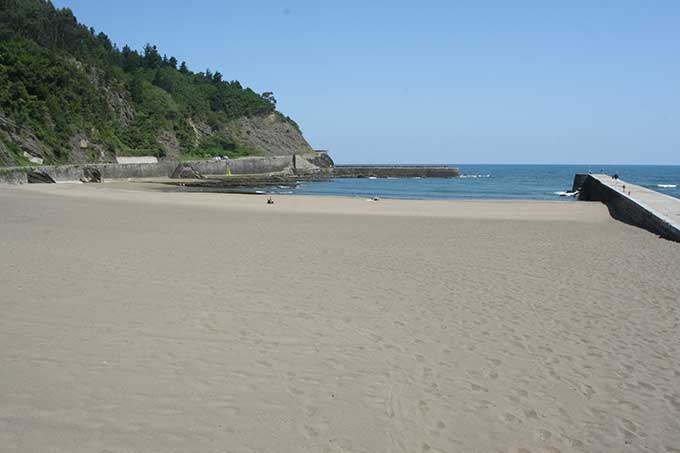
271 134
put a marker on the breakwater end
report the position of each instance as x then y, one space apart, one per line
395 171
632 204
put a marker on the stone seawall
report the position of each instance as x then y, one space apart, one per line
634 205
164 168
73 173
395 171
243 166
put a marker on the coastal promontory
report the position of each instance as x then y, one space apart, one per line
68 94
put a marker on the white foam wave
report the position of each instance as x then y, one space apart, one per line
475 176
563 193
667 186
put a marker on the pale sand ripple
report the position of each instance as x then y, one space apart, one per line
141 321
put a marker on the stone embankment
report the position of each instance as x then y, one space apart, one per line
632 204
307 164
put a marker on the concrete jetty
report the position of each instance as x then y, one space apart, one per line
632 204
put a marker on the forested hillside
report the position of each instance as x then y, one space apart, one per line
68 94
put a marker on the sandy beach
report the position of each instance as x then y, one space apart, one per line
139 321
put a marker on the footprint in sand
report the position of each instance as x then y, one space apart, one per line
478 388
543 435
511 419
530 413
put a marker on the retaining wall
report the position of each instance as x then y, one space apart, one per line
243 166
164 168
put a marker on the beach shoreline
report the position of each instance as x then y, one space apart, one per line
154 191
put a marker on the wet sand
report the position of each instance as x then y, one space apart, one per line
144 321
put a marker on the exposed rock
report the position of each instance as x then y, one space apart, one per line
91 174
39 177
271 133
6 157
320 159
314 163
115 99
35 160
185 171
201 129
84 150
123 109
169 143
24 138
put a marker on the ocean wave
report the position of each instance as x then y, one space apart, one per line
667 186
563 193
475 176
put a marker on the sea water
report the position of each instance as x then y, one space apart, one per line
518 182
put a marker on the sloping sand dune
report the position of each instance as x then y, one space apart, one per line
155 322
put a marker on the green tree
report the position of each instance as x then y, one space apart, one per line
152 59
136 88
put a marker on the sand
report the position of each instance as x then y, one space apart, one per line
154 322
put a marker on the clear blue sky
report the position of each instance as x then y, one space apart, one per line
438 81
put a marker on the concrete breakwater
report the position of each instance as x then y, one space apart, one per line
632 204
395 171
